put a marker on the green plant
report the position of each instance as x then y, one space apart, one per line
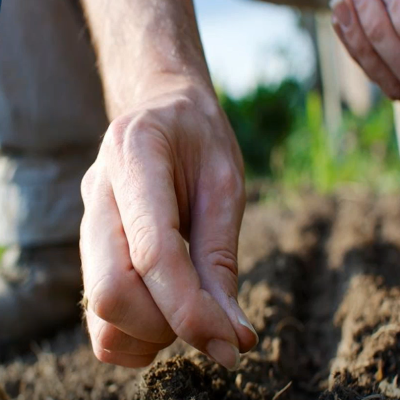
367 152
262 121
283 138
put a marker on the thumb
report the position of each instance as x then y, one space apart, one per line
216 221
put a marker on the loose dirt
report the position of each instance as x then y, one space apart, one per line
320 281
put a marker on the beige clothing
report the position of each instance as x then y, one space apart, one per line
51 120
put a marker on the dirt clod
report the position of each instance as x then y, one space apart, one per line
177 378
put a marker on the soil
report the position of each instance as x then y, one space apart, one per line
320 281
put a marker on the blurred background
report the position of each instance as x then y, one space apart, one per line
305 115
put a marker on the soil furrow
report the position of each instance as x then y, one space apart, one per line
368 356
321 284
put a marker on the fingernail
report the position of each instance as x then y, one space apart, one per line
341 13
224 353
242 318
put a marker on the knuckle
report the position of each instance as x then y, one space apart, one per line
146 248
364 51
230 181
105 299
132 132
116 139
223 258
115 134
226 178
214 111
105 336
142 120
181 321
209 103
183 104
375 30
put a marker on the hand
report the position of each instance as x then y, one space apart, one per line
168 171
370 30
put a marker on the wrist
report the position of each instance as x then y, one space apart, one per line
144 44
151 86
160 83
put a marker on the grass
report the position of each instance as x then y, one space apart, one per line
365 153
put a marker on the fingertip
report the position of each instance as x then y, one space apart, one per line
247 335
224 353
201 319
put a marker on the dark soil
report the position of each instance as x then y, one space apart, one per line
320 281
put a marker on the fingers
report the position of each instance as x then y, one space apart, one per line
393 8
366 31
124 360
107 337
378 28
143 184
216 221
114 290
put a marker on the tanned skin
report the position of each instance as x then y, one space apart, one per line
169 169
370 30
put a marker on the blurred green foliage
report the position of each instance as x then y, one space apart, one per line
262 122
282 135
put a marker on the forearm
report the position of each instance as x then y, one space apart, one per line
140 42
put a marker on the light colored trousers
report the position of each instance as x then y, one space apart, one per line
51 120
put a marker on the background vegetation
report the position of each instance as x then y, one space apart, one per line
281 132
